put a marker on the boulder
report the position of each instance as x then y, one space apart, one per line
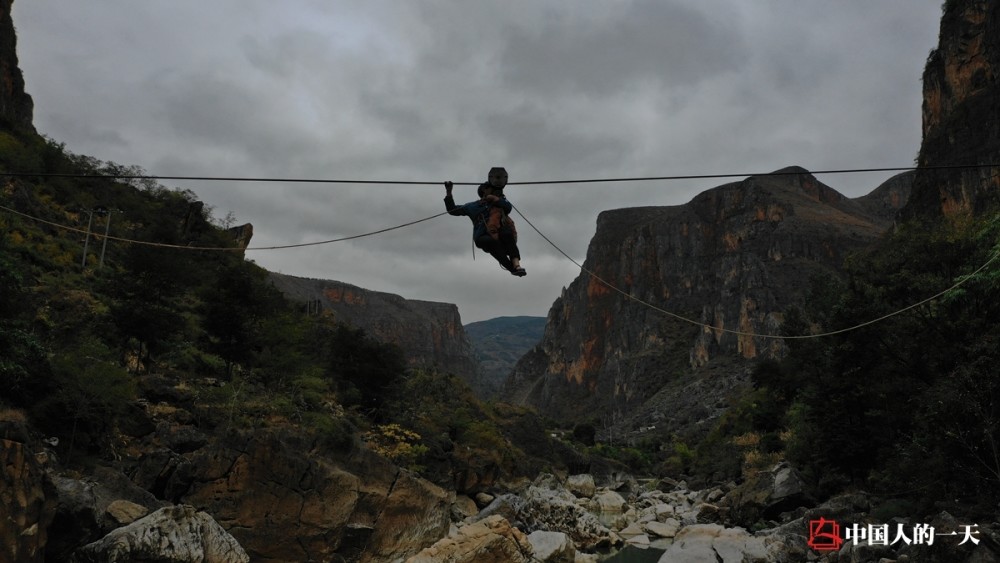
285 501
552 547
581 485
463 507
766 494
124 512
632 530
712 543
667 529
641 540
735 545
491 540
178 534
546 505
81 511
483 499
693 544
26 504
608 501
557 509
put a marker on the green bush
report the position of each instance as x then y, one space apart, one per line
91 392
336 434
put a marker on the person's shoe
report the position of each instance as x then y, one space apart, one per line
519 272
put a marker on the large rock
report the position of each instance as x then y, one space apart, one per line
552 547
711 543
26 505
546 505
492 540
285 501
608 501
177 534
666 529
581 485
766 494
82 508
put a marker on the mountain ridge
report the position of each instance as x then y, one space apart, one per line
732 259
499 343
429 333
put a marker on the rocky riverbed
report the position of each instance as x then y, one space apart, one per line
575 520
51 515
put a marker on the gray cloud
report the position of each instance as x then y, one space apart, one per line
438 90
600 51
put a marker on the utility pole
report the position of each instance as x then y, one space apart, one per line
86 240
107 228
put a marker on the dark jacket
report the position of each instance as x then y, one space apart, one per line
478 211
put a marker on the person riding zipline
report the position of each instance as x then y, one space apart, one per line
492 228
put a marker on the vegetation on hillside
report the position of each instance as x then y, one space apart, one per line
87 335
906 408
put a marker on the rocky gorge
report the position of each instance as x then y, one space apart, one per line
183 481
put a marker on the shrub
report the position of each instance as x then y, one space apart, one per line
398 444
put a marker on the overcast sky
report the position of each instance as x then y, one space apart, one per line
436 90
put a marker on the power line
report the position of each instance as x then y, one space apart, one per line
959 283
525 183
611 286
219 248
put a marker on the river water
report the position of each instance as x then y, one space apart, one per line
632 554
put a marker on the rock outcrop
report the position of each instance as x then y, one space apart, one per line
178 534
16 106
26 507
284 499
493 540
429 333
733 259
961 110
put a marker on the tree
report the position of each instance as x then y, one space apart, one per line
23 363
146 296
236 309
360 365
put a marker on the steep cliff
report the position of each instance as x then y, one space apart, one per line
16 107
961 110
733 259
429 333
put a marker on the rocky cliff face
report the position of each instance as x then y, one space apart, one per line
960 114
732 259
429 333
16 107
285 501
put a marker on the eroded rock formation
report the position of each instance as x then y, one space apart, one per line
733 258
16 106
284 500
429 333
961 113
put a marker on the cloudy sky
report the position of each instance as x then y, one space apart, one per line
434 90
